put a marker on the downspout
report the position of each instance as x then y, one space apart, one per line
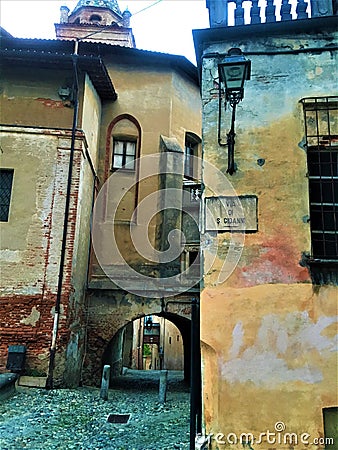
195 375
49 381
195 368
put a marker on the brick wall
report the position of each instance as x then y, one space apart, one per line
31 247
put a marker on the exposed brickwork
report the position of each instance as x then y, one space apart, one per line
110 311
27 316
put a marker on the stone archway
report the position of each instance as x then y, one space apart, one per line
110 311
119 350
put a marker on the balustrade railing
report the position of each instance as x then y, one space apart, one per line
254 11
246 12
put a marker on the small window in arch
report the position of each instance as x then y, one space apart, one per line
95 18
124 153
125 141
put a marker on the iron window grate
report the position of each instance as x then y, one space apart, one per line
6 182
321 128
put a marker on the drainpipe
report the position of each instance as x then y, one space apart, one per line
195 368
49 381
195 375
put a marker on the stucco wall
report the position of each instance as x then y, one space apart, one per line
91 116
164 103
267 334
33 99
31 239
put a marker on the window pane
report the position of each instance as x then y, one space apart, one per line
324 245
6 181
324 218
323 163
118 161
190 151
130 148
318 246
124 154
130 162
333 122
118 147
311 123
323 124
330 245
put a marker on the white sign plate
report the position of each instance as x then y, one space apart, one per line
231 213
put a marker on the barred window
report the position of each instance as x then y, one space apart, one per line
6 182
321 127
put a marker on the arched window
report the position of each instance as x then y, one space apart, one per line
125 141
95 18
123 149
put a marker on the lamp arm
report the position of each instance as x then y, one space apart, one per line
231 142
219 138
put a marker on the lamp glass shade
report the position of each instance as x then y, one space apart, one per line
234 69
233 75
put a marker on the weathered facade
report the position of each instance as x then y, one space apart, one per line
269 302
155 110
37 141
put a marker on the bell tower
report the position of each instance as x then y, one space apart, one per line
96 21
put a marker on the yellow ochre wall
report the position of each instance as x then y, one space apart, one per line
35 142
164 103
268 334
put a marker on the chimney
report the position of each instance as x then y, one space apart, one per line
64 11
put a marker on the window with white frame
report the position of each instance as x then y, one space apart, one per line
124 154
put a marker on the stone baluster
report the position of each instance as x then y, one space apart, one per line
239 13
255 12
285 11
270 12
301 9
320 8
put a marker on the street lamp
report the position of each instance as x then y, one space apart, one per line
233 70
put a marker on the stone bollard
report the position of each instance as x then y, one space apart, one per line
105 382
163 386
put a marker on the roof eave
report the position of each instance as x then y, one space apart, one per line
93 65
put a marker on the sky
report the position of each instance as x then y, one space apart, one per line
162 26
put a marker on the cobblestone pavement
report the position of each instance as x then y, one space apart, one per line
64 419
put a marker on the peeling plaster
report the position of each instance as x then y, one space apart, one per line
278 342
237 340
11 256
33 318
62 312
